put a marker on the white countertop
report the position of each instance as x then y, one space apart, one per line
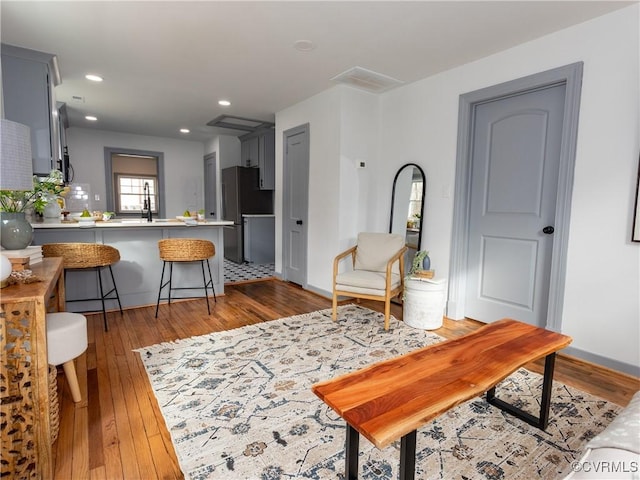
134 222
257 215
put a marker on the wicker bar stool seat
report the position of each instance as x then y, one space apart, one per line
83 256
185 250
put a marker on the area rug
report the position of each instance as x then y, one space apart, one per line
238 405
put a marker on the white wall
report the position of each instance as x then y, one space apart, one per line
183 165
359 136
227 150
601 308
343 125
418 123
322 113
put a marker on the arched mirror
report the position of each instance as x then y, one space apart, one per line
407 207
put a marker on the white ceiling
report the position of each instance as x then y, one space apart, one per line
166 64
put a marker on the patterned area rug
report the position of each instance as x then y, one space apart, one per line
238 405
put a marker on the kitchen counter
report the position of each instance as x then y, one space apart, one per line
137 274
123 223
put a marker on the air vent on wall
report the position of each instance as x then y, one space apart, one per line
239 123
367 80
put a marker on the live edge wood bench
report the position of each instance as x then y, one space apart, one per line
391 399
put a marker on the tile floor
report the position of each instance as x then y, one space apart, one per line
234 272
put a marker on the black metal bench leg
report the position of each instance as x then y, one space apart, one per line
547 385
542 420
408 456
352 448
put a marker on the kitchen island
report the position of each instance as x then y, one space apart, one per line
137 274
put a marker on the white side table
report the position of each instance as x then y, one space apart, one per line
424 300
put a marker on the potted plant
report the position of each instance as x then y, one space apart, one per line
421 261
416 222
45 190
16 232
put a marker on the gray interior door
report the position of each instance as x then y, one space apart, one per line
514 184
210 187
295 204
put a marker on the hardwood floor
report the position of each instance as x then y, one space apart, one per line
117 431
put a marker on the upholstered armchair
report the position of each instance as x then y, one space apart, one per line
376 270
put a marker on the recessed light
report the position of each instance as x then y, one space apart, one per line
93 78
184 130
224 103
304 45
91 118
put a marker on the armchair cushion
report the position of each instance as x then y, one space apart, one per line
365 282
374 251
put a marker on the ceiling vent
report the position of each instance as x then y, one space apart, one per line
239 123
367 80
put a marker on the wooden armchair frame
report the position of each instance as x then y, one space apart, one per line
389 292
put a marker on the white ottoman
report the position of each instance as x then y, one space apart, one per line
66 340
423 305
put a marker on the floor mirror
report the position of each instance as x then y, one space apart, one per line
407 208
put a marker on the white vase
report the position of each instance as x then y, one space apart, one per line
52 209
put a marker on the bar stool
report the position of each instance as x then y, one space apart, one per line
185 250
66 340
84 256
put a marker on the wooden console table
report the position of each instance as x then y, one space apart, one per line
391 399
24 379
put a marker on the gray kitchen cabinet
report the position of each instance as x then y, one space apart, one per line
259 150
28 78
259 238
267 160
250 151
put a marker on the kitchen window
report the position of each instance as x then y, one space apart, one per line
127 171
130 194
415 201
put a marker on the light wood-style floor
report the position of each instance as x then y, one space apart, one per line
117 431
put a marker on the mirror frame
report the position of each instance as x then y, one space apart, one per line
635 229
393 197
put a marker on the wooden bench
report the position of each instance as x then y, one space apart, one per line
391 399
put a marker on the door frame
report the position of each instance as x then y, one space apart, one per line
571 77
217 196
300 129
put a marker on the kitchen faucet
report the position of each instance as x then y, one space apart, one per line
146 207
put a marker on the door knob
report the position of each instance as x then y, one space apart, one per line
298 222
548 230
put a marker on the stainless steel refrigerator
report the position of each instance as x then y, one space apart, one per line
241 194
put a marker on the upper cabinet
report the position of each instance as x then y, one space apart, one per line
259 150
250 151
28 78
267 160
